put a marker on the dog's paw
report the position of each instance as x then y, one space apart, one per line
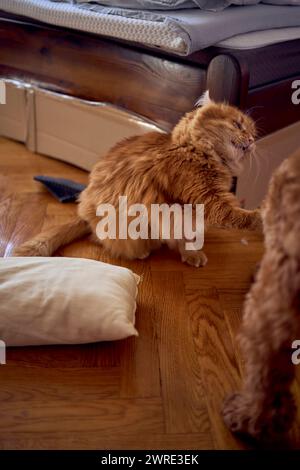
265 421
194 258
236 414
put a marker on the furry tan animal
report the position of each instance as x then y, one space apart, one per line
193 164
265 407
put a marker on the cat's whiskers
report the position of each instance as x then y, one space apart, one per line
259 129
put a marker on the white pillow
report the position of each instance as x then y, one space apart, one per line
65 301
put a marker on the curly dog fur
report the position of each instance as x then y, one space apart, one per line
265 408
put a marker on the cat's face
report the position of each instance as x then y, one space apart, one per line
231 132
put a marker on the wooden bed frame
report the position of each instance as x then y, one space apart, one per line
151 83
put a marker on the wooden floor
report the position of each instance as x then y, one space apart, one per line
163 389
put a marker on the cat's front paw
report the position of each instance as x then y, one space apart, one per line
194 258
256 222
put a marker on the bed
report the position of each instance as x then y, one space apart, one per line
156 63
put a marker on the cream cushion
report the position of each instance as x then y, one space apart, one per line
65 301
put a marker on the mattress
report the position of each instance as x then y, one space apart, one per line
257 39
180 31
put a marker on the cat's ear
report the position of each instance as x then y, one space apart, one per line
204 99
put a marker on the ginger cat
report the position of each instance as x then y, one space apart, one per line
193 164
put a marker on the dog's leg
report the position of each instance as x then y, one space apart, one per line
265 407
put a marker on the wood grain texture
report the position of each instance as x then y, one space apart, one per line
216 358
105 441
98 69
182 389
137 355
157 85
225 90
161 390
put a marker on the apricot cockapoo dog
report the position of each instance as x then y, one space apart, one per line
271 322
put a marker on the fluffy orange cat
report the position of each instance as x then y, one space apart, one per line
193 164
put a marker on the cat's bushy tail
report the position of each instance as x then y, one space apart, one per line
46 243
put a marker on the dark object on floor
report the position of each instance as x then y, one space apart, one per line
62 189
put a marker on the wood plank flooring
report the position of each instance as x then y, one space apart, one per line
162 390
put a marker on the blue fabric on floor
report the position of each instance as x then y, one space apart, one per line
62 189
